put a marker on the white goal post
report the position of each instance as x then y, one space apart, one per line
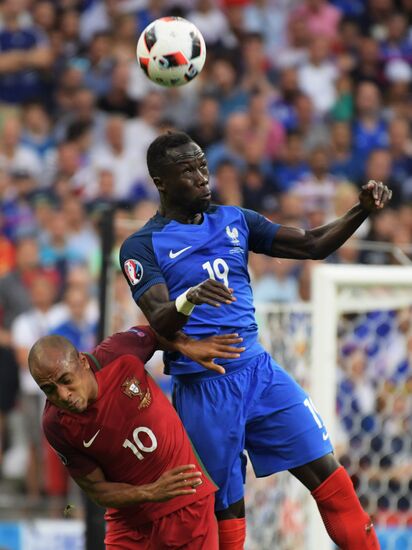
332 296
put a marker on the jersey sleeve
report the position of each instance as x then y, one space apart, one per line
139 264
261 231
139 341
78 464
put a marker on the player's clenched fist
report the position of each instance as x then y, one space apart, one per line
374 195
210 292
176 482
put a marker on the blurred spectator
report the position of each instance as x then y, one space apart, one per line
263 129
369 128
78 327
318 75
118 158
13 155
230 95
256 67
17 208
273 280
233 146
25 330
258 190
37 132
400 149
208 128
117 99
320 17
343 162
295 51
142 130
368 65
292 165
44 15
81 236
281 106
269 18
210 20
25 53
227 187
318 187
14 300
308 124
378 168
397 42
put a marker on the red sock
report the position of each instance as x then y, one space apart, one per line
345 520
232 534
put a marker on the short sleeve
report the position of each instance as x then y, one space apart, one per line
139 264
139 341
261 231
78 464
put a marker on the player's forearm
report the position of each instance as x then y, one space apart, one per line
118 495
328 238
162 313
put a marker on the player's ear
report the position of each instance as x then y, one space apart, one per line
160 184
83 360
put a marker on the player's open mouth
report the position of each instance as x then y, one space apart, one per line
206 196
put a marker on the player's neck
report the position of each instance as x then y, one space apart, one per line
174 213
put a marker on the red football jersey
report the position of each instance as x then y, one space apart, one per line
131 431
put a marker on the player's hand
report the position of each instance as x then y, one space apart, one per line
176 482
211 292
206 350
374 195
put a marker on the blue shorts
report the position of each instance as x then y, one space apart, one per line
257 407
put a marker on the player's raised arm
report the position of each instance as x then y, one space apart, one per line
173 483
167 317
318 243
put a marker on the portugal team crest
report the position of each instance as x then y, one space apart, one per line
131 387
133 270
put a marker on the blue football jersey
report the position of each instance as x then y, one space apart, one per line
183 255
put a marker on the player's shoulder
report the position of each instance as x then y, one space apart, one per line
144 235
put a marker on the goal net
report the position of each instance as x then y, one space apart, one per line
351 348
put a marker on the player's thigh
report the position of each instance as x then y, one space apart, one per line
283 428
213 414
129 540
193 527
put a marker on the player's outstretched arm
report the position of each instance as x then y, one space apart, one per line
179 481
318 243
204 351
167 317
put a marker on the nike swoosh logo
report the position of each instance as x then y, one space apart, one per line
88 443
325 436
176 254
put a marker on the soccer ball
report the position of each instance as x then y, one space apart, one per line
171 51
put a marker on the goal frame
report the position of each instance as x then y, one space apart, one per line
326 284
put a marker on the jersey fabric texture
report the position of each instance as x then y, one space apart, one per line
256 405
131 431
181 256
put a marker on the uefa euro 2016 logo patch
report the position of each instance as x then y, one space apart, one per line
133 270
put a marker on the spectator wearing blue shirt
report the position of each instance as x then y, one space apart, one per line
80 327
343 161
293 165
370 130
24 53
232 147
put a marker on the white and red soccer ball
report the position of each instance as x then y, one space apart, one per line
171 51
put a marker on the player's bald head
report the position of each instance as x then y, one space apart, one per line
50 351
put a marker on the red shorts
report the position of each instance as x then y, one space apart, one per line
193 528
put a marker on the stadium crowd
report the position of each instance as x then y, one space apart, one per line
299 104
